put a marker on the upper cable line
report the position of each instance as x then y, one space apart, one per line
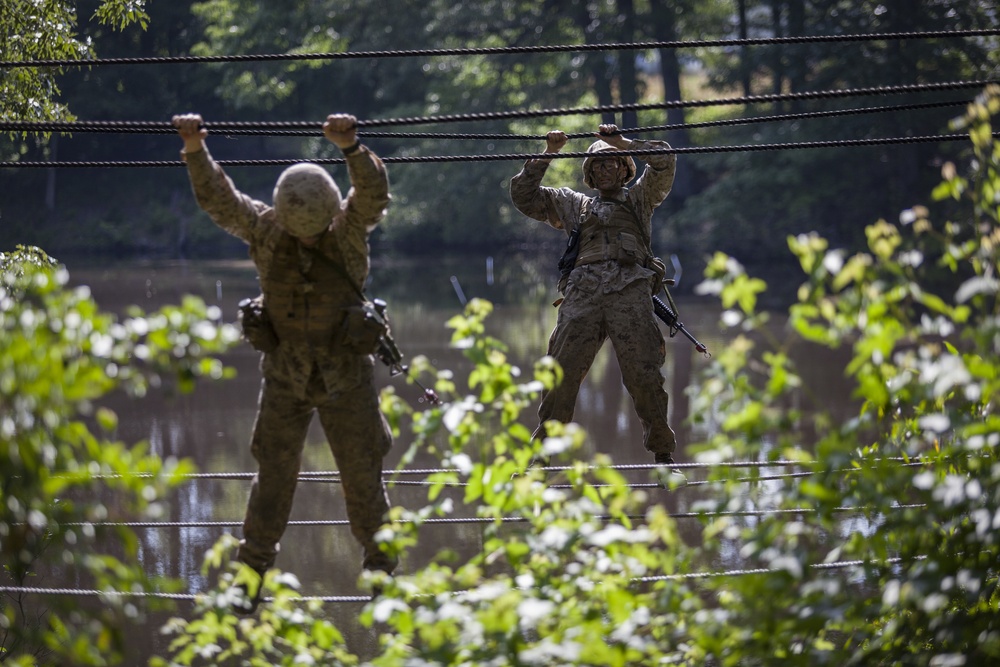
493 157
129 127
223 126
556 48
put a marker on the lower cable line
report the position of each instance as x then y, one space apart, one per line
193 597
475 519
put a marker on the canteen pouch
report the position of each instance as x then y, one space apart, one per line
256 325
363 328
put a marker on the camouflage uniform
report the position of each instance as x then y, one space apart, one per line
308 371
606 295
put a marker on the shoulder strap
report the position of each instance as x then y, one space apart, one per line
343 272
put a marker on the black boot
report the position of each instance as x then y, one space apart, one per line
248 589
666 475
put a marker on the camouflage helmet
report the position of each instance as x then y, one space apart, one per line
604 147
305 199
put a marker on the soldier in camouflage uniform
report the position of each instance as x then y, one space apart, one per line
608 293
311 252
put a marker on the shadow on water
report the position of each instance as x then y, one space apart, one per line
212 426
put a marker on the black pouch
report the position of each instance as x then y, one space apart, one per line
363 328
568 259
256 325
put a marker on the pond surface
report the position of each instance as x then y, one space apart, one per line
212 426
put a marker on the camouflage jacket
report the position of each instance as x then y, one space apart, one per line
562 208
255 223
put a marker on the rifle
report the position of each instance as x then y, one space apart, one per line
669 317
389 353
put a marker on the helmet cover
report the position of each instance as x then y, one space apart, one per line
306 199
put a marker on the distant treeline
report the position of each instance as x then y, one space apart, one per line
745 203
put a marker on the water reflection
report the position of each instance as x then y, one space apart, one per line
212 426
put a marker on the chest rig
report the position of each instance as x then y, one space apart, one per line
306 293
620 237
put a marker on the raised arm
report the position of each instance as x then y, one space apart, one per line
549 205
654 183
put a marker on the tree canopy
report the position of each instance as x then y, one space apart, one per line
722 200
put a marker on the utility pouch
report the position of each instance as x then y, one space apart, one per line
256 325
363 327
628 249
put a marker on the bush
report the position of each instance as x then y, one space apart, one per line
915 583
59 355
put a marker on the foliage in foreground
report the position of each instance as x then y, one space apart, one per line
893 558
59 355
882 549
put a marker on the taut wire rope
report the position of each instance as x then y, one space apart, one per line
836 565
126 127
415 159
499 50
222 126
778 463
474 519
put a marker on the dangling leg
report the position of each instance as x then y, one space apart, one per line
574 343
278 436
359 439
641 352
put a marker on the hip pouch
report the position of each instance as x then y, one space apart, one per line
628 251
256 325
363 328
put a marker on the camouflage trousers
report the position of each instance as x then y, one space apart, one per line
587 318
359 438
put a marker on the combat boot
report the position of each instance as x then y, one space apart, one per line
666 475
248 585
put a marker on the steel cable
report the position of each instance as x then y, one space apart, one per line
316 126
113 127
779 463
502 50
836 565
469 520
688 150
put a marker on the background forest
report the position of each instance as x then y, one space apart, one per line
734 201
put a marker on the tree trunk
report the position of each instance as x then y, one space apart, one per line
628 82
798 65
596 65
664 27
777 52
744 52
